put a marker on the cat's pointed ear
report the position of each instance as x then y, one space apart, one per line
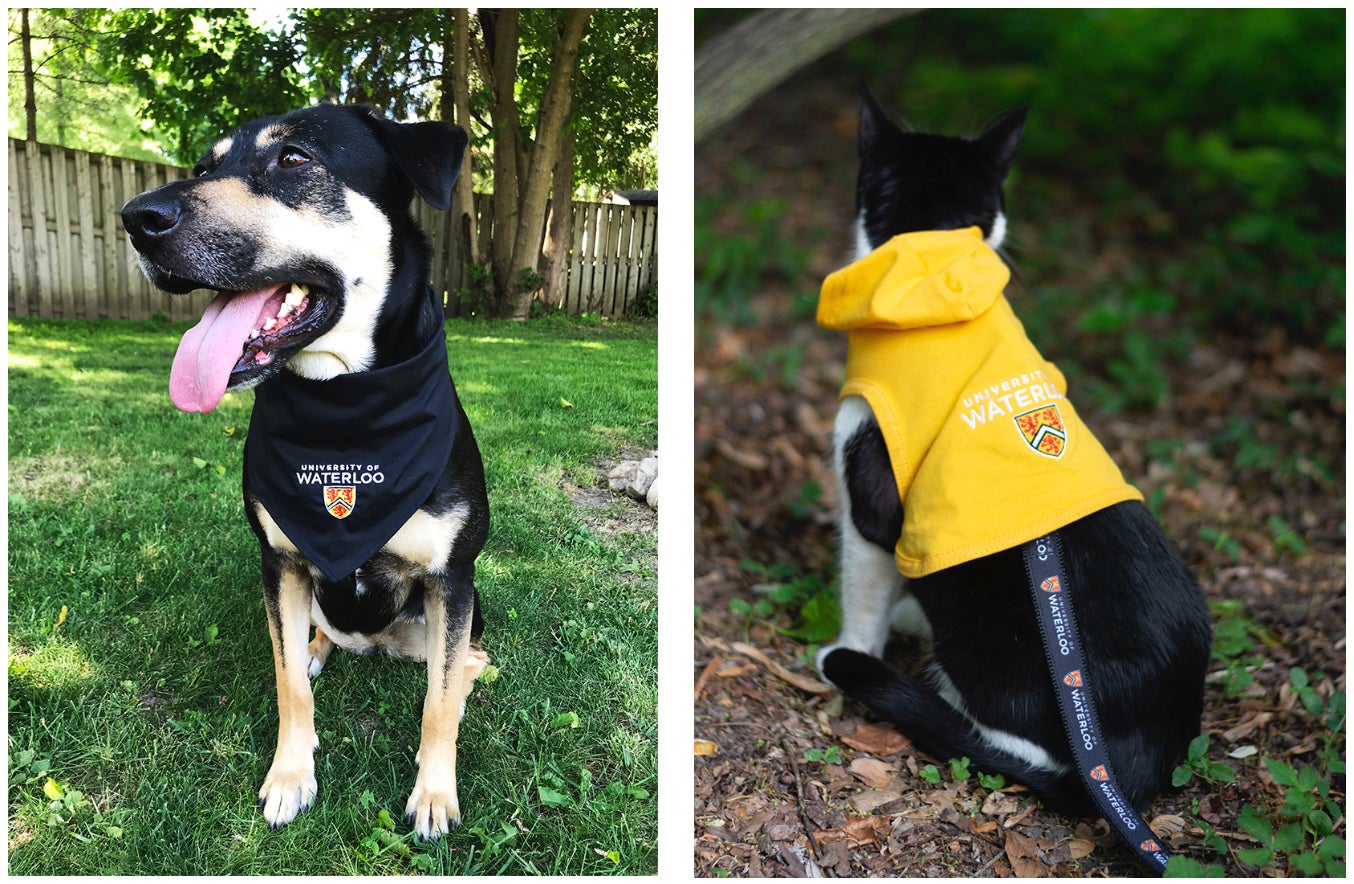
1003 137
871 116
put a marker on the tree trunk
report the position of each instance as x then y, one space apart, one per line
463 201
559 229
500 39
30 99
744 62
549 135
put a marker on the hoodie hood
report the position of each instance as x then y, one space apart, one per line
915 280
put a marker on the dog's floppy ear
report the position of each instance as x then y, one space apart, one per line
429 155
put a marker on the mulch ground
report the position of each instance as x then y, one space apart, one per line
765 398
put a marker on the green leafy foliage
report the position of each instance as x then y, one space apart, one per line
807 598
197 73
1198 764
1234 637
1298 835
736 263
1186 867
1220 133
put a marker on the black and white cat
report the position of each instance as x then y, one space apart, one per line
987 694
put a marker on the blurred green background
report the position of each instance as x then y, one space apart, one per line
1209 144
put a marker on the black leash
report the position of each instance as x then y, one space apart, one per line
1072 684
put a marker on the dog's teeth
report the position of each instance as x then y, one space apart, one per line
268 326
285 311
299 288
255 333
294 297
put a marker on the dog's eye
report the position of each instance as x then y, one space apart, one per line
292 157
199 171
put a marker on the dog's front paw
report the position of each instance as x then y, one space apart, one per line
287 790
432 809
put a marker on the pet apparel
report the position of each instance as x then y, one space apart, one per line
987 451
342 464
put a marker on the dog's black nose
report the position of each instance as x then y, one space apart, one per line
150 215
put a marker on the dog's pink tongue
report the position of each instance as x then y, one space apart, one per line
210 349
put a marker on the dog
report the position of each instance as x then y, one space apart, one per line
362 479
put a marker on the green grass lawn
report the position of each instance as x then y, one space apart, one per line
142 712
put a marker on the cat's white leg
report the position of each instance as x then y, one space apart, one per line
908 618
870 582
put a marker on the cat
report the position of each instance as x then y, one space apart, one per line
987 693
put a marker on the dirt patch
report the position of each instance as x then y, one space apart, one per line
48 478
605 511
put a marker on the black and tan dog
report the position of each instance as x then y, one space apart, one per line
362 479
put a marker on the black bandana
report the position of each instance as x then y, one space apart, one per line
342 464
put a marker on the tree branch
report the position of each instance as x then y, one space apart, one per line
749 59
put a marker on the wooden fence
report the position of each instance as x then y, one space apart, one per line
69 257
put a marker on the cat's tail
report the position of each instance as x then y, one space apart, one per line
941 731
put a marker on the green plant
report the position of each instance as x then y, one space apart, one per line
806 598
740 249
1197 765
1234 637
477 295
830 755
1247 451
539 309
929 774
528 280
1221 540
1322 854
991 781
645 304
803 506
1186 867
1285 538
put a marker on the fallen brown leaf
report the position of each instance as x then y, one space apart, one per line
1080 848
876 739
1023 854
1000 804
706 747
872 772
856 832
1167 824
746 459
867 801
1246 726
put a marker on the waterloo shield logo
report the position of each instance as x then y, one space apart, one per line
1150 846
340 500
1099 773
1073 678
1043 430
1051 585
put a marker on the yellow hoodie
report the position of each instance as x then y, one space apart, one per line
986 450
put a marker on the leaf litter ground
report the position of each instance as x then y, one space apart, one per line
765 397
